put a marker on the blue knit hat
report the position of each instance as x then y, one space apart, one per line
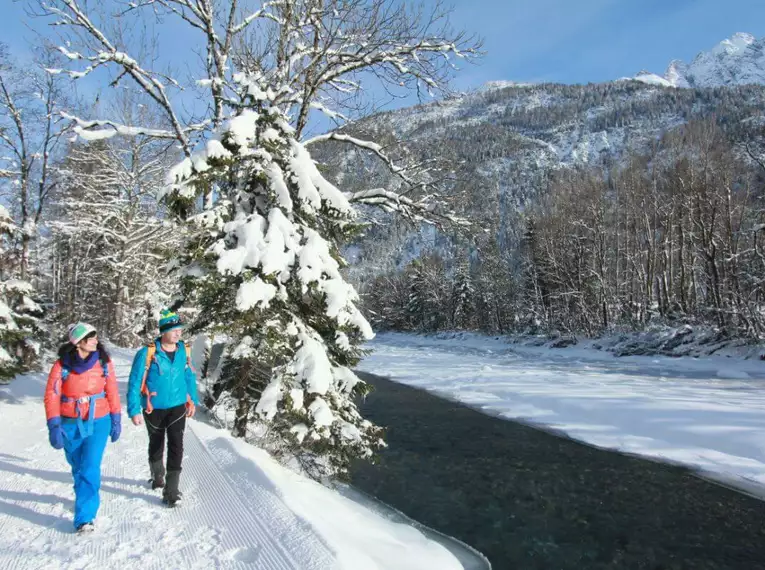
168 320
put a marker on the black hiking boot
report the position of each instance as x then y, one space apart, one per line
171 496
85 528
157 475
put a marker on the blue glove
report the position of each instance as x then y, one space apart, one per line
55 433
116 427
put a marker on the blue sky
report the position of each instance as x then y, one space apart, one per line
569 41
581 41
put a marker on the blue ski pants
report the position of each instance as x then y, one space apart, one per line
84 455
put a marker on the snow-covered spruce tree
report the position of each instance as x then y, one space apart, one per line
463 298
265 271
262 265
10 334
20 331
415 306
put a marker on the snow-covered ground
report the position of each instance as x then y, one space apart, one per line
708 412
241 509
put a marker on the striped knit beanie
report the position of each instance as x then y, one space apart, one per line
168 320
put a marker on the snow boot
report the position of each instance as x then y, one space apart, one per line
171 496
157 475
86 528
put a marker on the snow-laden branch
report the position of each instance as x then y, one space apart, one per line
85 129
367 145
73 14
424 210
374 148
262 13
327 111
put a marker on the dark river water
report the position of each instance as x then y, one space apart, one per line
529 499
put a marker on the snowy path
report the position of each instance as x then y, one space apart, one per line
241 509
229 518
708 413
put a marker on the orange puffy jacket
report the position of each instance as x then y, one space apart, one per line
76 386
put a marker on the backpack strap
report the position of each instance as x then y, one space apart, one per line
188 355
58 387
151 351
189 401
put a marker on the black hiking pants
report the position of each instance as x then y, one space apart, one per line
172 422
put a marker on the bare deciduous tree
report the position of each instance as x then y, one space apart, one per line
30 132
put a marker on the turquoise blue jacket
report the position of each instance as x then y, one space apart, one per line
172 380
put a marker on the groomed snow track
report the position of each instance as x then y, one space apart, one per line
229 519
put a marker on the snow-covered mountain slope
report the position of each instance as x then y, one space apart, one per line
241 509
505 141
738 60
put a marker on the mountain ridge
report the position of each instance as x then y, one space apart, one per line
738 60
506 141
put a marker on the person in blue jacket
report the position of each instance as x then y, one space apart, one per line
162 392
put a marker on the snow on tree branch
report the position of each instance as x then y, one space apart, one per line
425 209
73 14
84 129
30 133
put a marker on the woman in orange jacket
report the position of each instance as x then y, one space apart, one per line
82 406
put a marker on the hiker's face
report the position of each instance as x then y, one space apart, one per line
89 343
173 336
